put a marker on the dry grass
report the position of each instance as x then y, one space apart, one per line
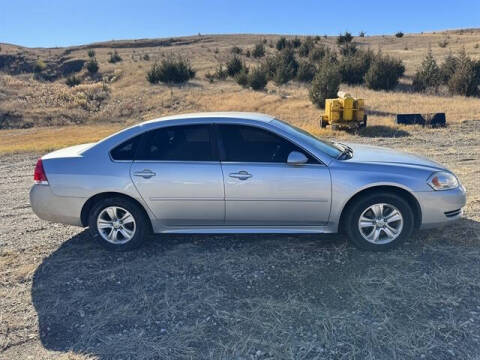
243 296
47 139
126 96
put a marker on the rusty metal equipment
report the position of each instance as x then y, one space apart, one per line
344 113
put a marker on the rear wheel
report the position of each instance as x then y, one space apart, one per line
118 224
379 221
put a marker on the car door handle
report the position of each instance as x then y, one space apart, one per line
146 174
241 175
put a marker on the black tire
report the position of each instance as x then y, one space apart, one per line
355 210
141 223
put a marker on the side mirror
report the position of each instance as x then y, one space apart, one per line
296 158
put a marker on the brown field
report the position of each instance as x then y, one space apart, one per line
264 297
122 95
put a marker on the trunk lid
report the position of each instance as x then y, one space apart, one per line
71 151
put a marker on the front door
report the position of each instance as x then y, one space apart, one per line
179 176
262 190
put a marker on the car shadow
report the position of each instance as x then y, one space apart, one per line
187 296
90 300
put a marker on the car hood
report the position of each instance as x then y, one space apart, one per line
376 154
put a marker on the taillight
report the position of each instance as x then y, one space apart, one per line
39 176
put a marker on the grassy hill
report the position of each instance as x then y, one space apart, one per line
120 93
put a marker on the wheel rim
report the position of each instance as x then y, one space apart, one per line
380 223
116 225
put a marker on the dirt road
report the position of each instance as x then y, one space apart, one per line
243 297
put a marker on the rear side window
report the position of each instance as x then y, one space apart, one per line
126 150
178 143
251 144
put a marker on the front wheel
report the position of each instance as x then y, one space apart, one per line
379 221
117 224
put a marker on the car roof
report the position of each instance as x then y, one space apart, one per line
216 115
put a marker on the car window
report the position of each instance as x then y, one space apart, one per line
325 146
178 143
251 144
126 150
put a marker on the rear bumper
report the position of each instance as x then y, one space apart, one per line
441 207
60 209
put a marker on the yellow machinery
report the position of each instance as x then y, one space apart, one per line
344 113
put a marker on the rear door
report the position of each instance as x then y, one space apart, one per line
178 174
261 189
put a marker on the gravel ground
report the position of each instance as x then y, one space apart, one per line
243 297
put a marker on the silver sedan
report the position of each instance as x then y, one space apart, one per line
241 173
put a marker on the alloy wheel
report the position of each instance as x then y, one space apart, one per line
116 225
380 223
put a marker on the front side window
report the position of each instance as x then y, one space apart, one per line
251 144
178 143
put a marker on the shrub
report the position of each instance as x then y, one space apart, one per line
384 72
361 34
325 84
72 81
92 66
354 67
115 57
286 66
234 66
210 77
247 53
399 34
306 47
443 43
258 51
270 66
344 38
236 50
466 78
257 78
39 66
317 53
221 73
281 43
146 57
91 53
428 75
296 42
447 68
242 77
348 49
306 71
175 70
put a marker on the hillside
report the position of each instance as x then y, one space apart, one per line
121 94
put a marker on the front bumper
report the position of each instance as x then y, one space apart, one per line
441 207
60 209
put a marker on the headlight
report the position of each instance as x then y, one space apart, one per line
442 180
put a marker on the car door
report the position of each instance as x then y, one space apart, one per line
261 189
179 176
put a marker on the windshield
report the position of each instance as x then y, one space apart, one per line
325 146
